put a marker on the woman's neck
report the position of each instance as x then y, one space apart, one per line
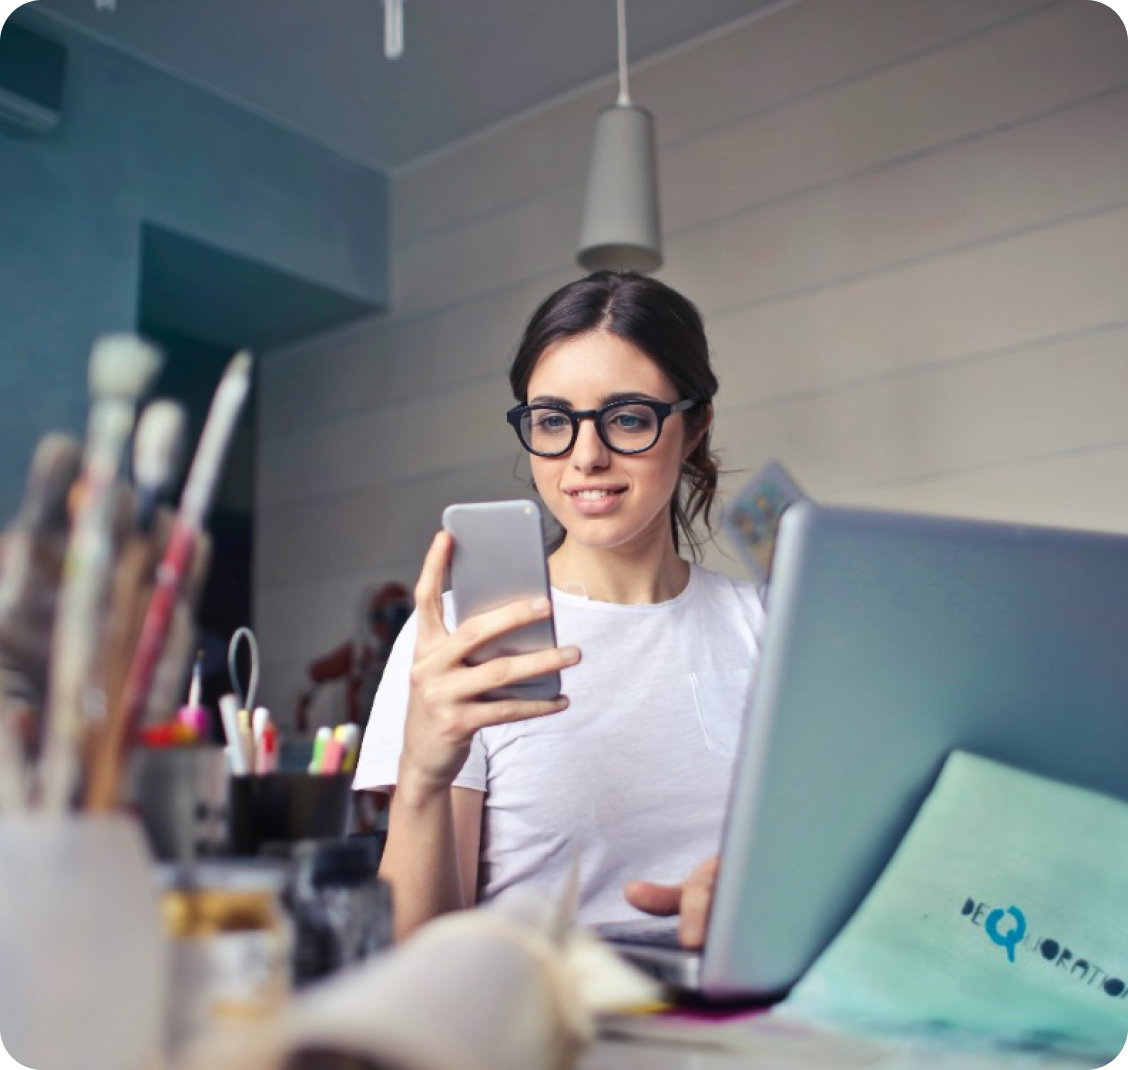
627 576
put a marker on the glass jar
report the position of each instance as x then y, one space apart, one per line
230 945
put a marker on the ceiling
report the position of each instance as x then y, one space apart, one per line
318 66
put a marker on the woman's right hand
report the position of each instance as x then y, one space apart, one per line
445 708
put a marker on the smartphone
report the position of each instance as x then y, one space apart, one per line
499 557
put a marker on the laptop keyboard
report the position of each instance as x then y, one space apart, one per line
653 934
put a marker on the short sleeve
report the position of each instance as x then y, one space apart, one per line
377 768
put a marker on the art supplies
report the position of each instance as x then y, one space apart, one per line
176 563
238 757
33 549
335 749
321 740
265 737
156 446
192 714
121 370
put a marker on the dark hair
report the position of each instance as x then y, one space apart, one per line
667 327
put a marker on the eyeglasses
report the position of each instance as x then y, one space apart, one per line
622 426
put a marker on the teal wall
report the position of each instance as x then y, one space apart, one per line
138 146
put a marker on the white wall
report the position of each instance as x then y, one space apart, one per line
906 224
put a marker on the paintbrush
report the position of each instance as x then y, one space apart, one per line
157 447
33 550
122 368
175 564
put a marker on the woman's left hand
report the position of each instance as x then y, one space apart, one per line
692 899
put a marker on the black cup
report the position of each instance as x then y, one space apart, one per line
286 807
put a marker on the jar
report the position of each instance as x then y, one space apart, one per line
342 910
230 945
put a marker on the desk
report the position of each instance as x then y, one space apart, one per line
640 1055
771 1043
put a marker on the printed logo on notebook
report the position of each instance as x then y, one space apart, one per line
1008 929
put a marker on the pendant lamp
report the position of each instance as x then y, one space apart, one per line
393 29
621 228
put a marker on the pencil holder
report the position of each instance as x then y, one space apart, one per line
180 794
82 956
286 807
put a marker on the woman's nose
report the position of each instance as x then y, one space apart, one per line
589 452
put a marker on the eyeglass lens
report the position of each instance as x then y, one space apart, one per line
628 426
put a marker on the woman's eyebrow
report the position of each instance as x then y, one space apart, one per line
606 399
633 395
549 399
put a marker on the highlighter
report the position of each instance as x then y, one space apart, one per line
320 743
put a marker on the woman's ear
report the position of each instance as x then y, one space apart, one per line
703 420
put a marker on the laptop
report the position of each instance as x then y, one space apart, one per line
891 640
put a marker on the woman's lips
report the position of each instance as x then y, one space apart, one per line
594 501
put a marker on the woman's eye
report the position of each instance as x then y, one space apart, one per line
632 420
551 422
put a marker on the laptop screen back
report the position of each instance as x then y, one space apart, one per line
891 640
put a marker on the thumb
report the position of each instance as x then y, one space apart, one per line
661 899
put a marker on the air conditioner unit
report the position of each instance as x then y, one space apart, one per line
32 71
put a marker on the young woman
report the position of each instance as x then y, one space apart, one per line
628 771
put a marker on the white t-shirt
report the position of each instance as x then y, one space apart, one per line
634 775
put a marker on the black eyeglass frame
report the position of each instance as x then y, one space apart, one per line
662 411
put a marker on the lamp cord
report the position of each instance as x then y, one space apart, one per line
624 92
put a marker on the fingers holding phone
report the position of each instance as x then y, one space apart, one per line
498 559
501 663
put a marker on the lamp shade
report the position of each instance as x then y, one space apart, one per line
621 227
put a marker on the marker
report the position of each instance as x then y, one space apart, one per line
265 740
332 757
349 735
320 742
267 762
238 761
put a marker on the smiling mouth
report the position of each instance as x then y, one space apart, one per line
594 495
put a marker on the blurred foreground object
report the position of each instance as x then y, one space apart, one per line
82 959
230 944
510 985
31 567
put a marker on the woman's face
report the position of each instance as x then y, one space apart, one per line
604 499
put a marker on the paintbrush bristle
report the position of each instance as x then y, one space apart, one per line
122 366
157 444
